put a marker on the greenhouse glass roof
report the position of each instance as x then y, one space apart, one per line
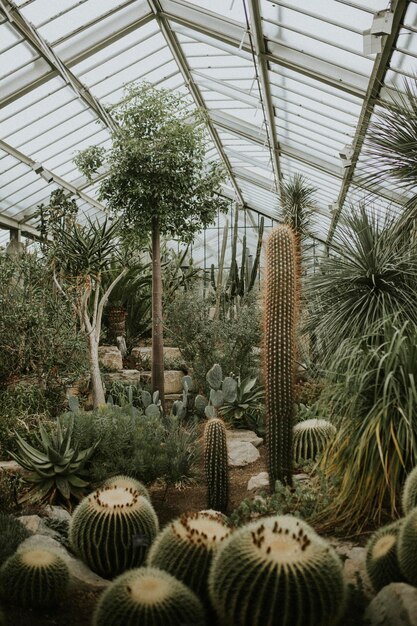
286 85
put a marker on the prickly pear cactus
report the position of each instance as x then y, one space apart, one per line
280 318
381 556
216 466
409 495
150 597
34 578
185 548
311 437
111 530
277 571
406 550
127 482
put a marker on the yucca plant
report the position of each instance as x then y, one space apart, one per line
245 411
373 391
56 471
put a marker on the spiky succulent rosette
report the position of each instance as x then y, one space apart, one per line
409 495
34 578
381 556
277 571
185 548
128 482
310 438
149 597
407 547
111 530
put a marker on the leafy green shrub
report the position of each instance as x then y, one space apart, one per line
9 489
204 341
12 533
25 424
144 447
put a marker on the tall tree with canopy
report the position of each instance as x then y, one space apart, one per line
158 181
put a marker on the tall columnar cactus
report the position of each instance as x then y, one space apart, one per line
34 578
311 437
111 530
407 546
409 495
216 466
150 597
381 556
280 316
277 571
185 548
120 480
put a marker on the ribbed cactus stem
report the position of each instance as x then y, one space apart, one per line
216 467
409 495
280 317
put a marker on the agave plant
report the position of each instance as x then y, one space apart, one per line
245 411
56 471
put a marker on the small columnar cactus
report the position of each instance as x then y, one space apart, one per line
407 547
111 530
381 557
280 319
311 437
150 597
409 495
216 466
277 571
128 482
34 578
185 548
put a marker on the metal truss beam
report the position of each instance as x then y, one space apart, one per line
8 223
381 66
180 59
260 49
48 176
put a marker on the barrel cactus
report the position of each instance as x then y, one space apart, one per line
409 495
185 548
111 530
277 571
148 596
311 437
34 578
12 533
127 481
216 466
407 546
279 351
381 556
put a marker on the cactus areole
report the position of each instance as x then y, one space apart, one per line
280 309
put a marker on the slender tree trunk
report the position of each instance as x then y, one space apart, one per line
96 382
157 328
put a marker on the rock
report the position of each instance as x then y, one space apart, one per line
172 380
58 513
353 558
110 358
37 526
301 477
130 377
141 358
241 453
244 435
395 605
10 466
258 481
81 575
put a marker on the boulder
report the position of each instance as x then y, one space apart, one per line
395 605
82 576
58 513
10 466
353 558
141 358
130 377
244 435
36 525
172 380
259 481
110 358
241 453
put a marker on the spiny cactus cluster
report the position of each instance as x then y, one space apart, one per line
34 578
150 597
279 351
311 437
277 571
381 556
185 548
216 468
111 530
127 482
409 495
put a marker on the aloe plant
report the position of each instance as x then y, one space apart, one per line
56 471
245 410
